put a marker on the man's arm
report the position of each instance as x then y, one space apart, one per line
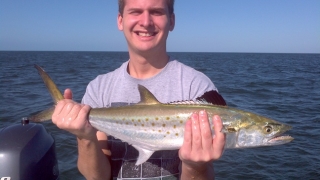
200 148
73 117
93 162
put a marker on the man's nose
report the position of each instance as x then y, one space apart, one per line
146 19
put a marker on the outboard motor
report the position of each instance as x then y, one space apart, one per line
27 151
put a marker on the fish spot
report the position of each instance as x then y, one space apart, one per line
159 130
127 123
174 126
135 125
167 118
152 124
157 118
177 134
132 120
168 132
181 121
139 120
142 125
163 125
178 117
123 119
147 119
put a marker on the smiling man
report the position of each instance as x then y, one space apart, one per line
146 25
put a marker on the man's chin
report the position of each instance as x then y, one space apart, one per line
146 49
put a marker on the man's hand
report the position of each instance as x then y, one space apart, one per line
73 117
200 148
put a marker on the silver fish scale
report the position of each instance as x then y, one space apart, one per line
134 126
159 127
145 131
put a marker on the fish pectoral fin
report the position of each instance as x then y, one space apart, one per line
228 129
144 155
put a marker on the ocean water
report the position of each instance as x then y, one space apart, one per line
284 87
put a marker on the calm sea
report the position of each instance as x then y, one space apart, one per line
285 87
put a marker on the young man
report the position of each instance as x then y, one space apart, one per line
146 25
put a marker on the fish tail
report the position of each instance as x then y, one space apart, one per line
54 92
51 86
42 116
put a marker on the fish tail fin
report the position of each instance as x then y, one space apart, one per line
51 86
42 116
54 92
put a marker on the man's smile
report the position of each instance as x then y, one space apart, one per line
146 34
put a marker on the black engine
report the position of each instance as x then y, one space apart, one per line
27 151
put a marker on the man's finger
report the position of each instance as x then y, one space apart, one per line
74 112
196 133
205 130
187 141
188 135
219 139
67 94
58 110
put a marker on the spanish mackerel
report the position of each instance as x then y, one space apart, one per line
151 126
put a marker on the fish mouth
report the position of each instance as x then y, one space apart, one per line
280 138
277 140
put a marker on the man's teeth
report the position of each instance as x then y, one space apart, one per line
145 34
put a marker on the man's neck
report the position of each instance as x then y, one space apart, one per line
142 67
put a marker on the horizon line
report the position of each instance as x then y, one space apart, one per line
167 51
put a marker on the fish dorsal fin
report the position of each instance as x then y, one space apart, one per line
146 97
212 97
191 102
51 86
144 155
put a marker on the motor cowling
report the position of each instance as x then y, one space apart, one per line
27 151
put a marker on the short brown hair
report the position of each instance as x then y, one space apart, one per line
170 4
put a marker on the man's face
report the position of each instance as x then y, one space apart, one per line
146 24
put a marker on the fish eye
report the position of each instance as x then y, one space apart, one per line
268 129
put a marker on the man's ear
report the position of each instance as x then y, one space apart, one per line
119 22
172 21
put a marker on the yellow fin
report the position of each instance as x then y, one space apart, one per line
51 86
42 116
146 96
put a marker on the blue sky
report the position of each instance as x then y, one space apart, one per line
280 26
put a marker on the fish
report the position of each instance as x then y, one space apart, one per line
151 126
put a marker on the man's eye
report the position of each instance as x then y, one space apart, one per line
157 13
134 12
